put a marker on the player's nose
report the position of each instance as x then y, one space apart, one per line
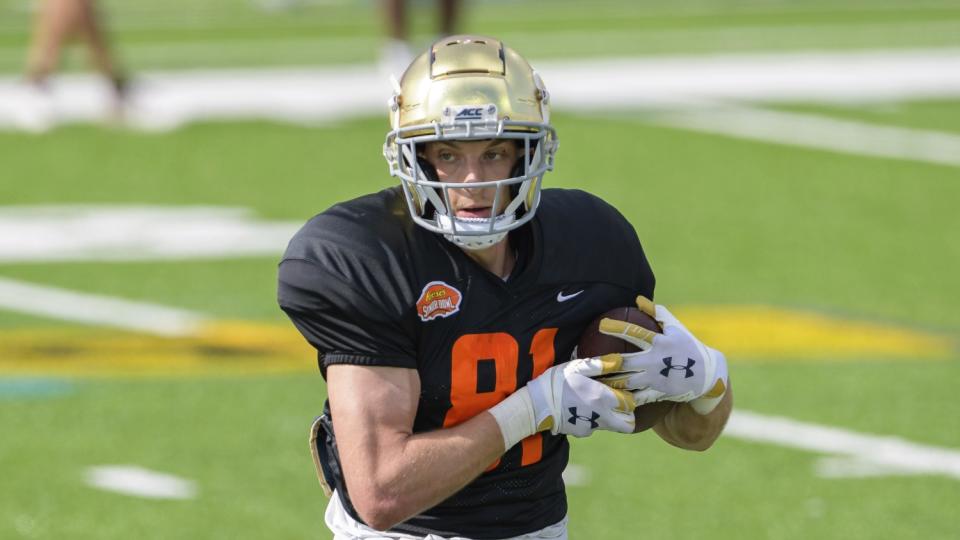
473 171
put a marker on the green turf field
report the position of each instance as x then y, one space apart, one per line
155 35
940 115
724 221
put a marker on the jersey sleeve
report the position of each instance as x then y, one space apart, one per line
344 324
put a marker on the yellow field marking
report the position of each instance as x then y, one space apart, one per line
763 332
222 348
234 347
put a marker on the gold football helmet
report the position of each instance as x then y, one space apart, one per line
470 88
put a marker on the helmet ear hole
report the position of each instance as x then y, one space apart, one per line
428 169
515 172
431 173
517 169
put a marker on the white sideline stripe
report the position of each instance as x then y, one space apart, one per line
576 475
52 233
840 467
165 100
853 454
87 308
848 77
140 482
821 132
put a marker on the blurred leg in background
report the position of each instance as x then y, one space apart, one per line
397 52
58 21
449 9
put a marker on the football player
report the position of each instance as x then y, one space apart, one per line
444 311
56 22
395 55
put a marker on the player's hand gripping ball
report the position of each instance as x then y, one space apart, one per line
593 343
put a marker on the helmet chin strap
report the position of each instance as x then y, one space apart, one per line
474 225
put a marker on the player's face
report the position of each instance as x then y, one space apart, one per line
473 161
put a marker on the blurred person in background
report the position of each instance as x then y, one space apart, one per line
444 312
397 52
58 21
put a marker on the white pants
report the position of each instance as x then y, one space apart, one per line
345 527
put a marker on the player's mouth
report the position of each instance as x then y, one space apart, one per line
474 212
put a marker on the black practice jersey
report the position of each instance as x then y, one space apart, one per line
367 286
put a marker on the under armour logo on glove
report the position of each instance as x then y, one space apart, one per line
592 418
668 361
647 373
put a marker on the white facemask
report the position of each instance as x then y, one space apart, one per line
473 228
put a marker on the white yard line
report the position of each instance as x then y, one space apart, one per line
856 455
57 233
849 454
836 77
820 132
57 303
576 475
140 482
852 453
165 100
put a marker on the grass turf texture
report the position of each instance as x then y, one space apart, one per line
933 115
235 289
242 440
723 221
223 33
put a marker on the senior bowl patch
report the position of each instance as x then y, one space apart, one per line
438 300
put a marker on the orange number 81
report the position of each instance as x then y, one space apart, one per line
467 400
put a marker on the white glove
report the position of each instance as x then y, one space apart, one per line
566 400
673 366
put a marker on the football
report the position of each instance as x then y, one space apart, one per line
593 343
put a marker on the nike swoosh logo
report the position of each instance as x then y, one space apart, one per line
564 297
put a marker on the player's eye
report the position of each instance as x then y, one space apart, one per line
493 155
445 156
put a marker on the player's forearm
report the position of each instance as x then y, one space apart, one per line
685 428
410 473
